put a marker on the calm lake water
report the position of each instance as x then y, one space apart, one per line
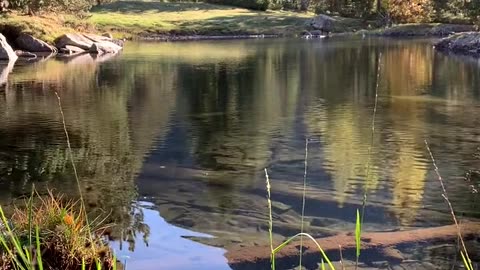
171 139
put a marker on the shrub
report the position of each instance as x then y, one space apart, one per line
70 6
250 4
411 11
55 234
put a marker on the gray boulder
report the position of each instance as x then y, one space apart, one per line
77 40
69 49
31 44
323 23
104 47
88 42
6 52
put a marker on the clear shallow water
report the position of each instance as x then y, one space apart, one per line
189 127
170 244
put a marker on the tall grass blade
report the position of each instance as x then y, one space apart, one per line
358 232
323 265
466 262
7 248
30 214
84 266
452 212
303 203
14 240
98 264
324 255
27 254
70 152
341 257
367 170
270 218
39 251
114 267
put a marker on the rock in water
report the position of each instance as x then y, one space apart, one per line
6 52
323 22
88 42
465 43
77 40
69 49
104 47
32 44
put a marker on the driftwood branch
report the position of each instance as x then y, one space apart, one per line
379 244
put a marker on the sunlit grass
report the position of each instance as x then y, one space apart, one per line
198 18
127 19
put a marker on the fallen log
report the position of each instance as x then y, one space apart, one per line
374 244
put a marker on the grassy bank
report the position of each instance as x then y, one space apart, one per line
143 18
139 18
131 18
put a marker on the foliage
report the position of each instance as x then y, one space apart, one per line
473 11
410 11
78 7
348 8
250 4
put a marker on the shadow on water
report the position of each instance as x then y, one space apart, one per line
189 127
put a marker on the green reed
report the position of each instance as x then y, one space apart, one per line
464 253
274 251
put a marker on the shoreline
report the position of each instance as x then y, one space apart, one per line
176 37
439 30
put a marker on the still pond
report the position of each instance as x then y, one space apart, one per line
171 141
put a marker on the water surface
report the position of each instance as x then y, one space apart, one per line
172 140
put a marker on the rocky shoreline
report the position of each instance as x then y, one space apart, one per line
460 39
27 46
463 44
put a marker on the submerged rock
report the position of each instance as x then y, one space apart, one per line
465 43
31 44
6 51
423 30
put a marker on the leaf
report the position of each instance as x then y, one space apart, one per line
466 262
39 251
358 232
